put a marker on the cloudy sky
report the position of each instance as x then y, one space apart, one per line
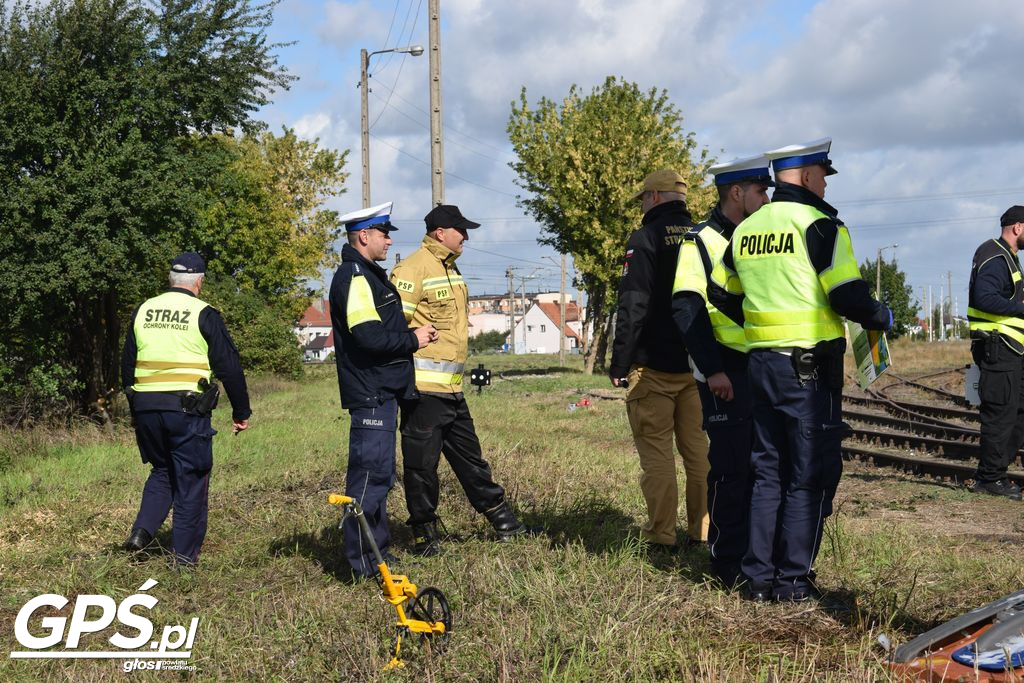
922 99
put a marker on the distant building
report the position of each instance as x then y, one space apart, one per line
479 323
315 322
319 348
539 330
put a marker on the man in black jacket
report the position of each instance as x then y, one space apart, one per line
649 356
374 350
995 314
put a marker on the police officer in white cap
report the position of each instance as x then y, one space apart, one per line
796 268
374 348
701 308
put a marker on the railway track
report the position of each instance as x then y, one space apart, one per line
942 439
927 439
947 471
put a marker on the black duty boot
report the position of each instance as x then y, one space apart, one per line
505 522
139 539
427 539
1003 487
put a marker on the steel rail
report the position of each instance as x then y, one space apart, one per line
956 450
919 466
907 424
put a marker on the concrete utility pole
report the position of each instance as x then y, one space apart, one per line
942 315
924 303
564 324
436 134
931 315
522 281
511 310
878 270
364 122
949 293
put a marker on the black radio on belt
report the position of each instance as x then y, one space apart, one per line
480 377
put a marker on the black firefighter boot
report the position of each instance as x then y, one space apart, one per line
427 539
505 522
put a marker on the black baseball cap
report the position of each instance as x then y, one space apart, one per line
1015 214
189 262
448 216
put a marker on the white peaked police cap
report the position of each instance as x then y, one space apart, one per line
807 154
371 217
743 169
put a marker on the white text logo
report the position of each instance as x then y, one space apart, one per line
174 643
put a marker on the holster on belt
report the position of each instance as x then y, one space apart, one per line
830 361
203 402
824 361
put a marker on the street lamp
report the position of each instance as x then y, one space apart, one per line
364 65
878 270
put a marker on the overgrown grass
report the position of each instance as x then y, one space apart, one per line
580 602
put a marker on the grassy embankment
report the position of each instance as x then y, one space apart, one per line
578 603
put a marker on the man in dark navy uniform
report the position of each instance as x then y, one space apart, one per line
374 350
995 314
173 343
717 348
794 263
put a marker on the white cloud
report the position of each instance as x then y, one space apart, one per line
920 99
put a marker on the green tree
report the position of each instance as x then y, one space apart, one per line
100 104
264 229
580 162
896 294
262 222
486 342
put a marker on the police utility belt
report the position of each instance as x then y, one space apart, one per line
203 402
824 361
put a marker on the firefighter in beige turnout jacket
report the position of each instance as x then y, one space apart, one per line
433 291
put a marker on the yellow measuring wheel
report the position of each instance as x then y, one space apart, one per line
424 614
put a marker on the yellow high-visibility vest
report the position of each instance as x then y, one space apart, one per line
786 300
172 353
982 322
692 277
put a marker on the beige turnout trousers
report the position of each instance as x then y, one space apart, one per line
663 406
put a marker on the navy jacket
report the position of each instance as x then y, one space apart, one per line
374 357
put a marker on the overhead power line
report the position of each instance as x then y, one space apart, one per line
426 127
447 173
402 63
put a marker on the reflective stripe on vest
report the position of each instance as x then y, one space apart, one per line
786 300
360 307
691 277
1010 326
439 371
171 351
982 323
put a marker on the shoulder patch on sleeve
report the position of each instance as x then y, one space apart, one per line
403 285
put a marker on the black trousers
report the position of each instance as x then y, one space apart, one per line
796 465
436 424
1001 391
729 427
